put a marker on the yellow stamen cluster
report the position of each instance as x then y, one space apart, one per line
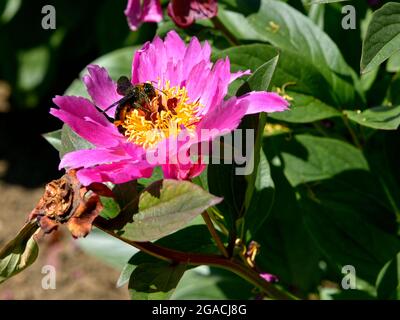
164 123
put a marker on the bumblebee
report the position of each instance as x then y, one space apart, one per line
137 96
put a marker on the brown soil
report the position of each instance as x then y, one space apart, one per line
79 276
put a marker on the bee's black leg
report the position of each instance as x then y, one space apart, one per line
105 114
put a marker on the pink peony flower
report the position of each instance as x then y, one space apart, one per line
183 12
190 99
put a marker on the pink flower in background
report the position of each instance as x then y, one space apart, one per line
190 98
269 277
183 12
139 11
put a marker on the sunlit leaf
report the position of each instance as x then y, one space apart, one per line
19 253
165 207
384 118
54 138
313 158
155 281
383 37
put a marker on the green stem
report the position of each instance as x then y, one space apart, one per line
214 234
195 259
392 201
228 35
351 131
320 129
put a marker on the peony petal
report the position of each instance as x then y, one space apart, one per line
101 88
179 172
147 65
169 60
133 14
118 172
92 157
239 74
193 53
204 9
197 80
152 11
260 101
185 12
81 107
180 13
136 13
216 86
222 119
175 46
81 115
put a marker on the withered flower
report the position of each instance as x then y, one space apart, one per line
67 201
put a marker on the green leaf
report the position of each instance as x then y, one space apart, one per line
19 253
259 182
297 34
353 294
344 207
383 37
155 281
393 94
317 14
165 207
9 8
233 21
384 118
311 158
368 79
70 141
201 180
262 198
157 175
393 64
111 208
205 283
388 282
54 138
261 78
313 97
126 195
223 182
33 66
281 25
286 246
304 109
342 219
